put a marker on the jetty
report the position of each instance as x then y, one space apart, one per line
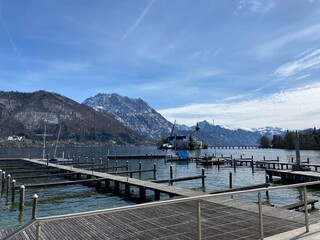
200 217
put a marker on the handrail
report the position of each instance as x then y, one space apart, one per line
171 201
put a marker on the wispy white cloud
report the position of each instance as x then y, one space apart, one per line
13 45
269 48
308 60
253 6
139 19
295 108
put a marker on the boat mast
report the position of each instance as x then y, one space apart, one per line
55 150
44 142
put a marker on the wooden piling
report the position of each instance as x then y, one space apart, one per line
154 170
234 165
8 184
267 182
13 190
142 193
171 174
139 169
230 180
3 179
22 197
203 181
34 206
127 189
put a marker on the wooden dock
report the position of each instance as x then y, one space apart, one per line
296 176
221 218
107 179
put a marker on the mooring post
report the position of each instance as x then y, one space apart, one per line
203 177
230 179
47 159
13 190
68 159
171 174
34 206
0 177
127 165
127 189
3 179
139 169
142 193
100 164
154 170
234 165
8 184
252 166
87 162
267 192
22 197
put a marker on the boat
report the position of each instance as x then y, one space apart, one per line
210 161
182 142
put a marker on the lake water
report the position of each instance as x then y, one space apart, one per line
79 198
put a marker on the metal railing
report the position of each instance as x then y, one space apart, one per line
39 221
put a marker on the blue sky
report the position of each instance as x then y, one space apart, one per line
245 63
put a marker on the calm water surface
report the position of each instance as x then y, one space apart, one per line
78 198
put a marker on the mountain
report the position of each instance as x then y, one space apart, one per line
140 117
215 135
27 114
133 113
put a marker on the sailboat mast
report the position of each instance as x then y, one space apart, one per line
44 142
55 150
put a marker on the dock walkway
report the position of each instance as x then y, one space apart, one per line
170 190
220 219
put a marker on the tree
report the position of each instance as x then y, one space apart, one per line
264 142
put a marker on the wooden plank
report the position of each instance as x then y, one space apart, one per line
300 204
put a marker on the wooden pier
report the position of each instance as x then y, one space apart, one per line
296 176
221 218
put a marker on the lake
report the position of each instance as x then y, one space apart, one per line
79 198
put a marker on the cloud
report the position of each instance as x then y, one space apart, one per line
139 19
293 109
307 60
268 49
253 6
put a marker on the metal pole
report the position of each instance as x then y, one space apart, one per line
306 207
260 216
199 220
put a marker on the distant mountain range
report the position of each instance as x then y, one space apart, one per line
106 118
140 117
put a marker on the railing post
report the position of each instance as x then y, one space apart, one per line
199 219
38 231
306 207
260 216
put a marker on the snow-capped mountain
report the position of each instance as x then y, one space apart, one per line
147 122
133 113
